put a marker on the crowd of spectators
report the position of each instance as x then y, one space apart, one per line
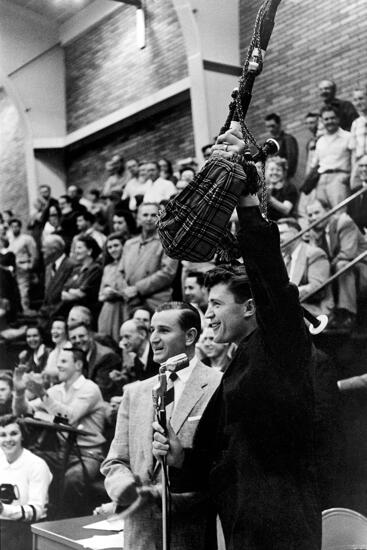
80 283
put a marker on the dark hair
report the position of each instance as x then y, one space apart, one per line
38 327
121 236
144 308
95 192
290 222
66 198
328 108
87 216
273 116
155 163
78 355
169 166
15 220
198 275
189 316
129 218
57 208
59 319
234 277
6 376
311 114
91 244
7 419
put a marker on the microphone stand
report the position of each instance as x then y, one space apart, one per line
159 401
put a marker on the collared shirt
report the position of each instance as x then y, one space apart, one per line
159 190
294 260
82 403
182 377
358 137
332 152
32 476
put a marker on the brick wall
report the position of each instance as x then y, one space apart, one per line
105 70
13 180
168 134
311 40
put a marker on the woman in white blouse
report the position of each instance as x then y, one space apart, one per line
24 483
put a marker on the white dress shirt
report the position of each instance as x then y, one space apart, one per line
182 377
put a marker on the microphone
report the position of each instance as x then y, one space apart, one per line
175 363
159 392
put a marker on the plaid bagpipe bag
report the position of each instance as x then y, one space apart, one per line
194 224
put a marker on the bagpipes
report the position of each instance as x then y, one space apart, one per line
195 225
163 396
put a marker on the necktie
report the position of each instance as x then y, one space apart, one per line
53 270
324 244
170 396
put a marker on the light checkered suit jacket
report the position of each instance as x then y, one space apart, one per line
130 455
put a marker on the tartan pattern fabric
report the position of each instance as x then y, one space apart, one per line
194 225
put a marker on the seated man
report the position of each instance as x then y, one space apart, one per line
80 400
342 241
101 360
307 266
132 478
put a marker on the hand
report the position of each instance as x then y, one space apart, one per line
34 384
116 375
130 292
169 447
19 379
229 143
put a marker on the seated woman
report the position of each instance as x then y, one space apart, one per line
82 286
113 282
282 195
24 482
35 356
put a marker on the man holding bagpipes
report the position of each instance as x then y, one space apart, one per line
254 448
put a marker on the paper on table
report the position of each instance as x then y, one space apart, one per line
113 523
99 542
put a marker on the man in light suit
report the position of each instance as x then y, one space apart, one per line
149 273
132 476
307 266
341 239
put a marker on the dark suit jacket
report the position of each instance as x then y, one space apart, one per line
55 284
256 435
357 209
101 362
